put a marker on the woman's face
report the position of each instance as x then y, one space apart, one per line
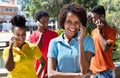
44 20
96 17
20 34
71 25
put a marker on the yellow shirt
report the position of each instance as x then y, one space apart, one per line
24 61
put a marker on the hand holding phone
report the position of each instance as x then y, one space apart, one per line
82 32
41 27
39 23
100 23
13 41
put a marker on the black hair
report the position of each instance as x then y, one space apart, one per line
18 21
99 9
40 14
74 8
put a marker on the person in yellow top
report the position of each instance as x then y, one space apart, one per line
19 55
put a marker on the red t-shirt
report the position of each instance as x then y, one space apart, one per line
47 36
103 60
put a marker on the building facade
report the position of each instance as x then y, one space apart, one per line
7 10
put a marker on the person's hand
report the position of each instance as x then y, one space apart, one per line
41 27
13 41
80 75
82 32
100 23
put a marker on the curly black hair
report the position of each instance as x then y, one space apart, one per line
99 9
74 8
18 21
40 14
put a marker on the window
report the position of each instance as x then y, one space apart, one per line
11 9
14 10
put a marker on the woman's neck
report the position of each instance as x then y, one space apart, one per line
66 38
20 45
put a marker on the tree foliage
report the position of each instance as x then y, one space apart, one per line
88 4
116 51
53 6
112 12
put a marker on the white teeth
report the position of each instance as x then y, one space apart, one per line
72 30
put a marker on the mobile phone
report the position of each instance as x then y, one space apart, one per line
39 23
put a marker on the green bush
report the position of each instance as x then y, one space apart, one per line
59 31
116 51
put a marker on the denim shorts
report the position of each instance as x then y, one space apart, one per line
110 73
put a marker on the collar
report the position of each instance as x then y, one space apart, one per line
61 38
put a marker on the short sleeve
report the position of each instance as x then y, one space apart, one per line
52 49
89 45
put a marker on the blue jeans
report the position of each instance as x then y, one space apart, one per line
105 74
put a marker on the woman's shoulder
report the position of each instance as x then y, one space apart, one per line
58 38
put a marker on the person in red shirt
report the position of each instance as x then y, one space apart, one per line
104 37
42 37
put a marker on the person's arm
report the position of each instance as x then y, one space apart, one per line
41 29
38 43
104 44
100 25
53 73
9 63
84 65
84 57
41 66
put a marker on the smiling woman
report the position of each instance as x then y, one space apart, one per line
69 54
19 55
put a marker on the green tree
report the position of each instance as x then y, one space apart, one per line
112 12
88 4
54 6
